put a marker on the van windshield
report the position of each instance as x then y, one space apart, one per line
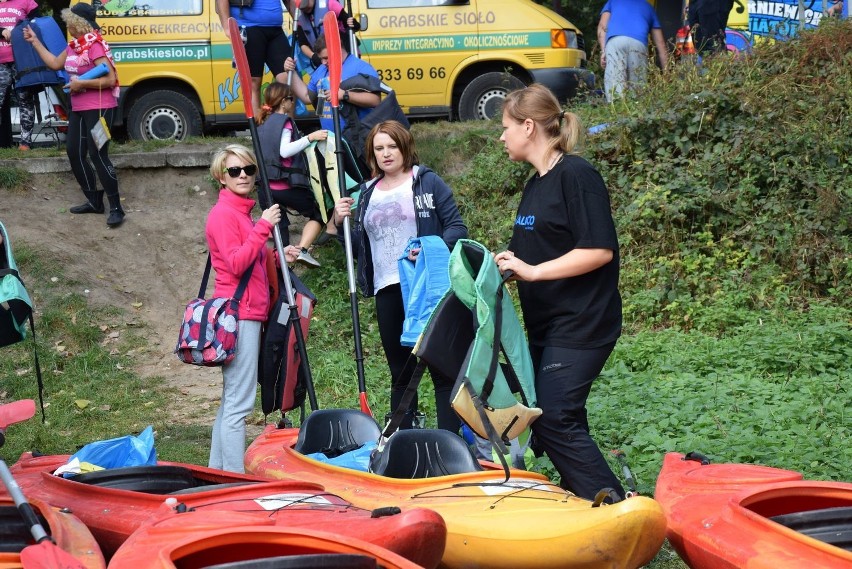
123 8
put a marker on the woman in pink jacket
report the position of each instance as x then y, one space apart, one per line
237 244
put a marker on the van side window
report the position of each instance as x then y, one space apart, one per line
415 3
123 8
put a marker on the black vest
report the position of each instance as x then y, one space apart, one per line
269 133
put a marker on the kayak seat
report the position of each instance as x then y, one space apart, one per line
336 431
14 531
158 479
424 453
304 561
830 525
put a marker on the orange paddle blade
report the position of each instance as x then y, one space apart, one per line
335 60
48 555
242 65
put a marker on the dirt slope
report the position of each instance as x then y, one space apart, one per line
151 265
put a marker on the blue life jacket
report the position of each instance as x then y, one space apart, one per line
423 282
313 24
30 69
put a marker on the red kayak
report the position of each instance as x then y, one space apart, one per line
114 503
210 539
69 533
725 516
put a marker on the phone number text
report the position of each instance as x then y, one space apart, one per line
412 74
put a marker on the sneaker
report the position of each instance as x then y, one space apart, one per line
323 238
307 258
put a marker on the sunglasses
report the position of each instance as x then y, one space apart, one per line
234 171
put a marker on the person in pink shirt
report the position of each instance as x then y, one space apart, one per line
238 244
91 101
13 12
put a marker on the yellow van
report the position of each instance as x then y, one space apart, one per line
444 58
458 58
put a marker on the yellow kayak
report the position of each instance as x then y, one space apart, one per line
526 521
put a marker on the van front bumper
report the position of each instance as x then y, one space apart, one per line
564 81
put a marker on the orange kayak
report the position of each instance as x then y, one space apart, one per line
192 540
70 534
526 522
725 516
115 503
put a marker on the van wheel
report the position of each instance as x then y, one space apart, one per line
483 97
161 115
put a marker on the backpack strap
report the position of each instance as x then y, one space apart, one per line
238 294
234 302
38 370
488 386
407 396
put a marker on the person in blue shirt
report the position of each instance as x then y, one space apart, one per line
623 37
316 91
265 40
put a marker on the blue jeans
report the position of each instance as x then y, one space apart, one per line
239 388
563 381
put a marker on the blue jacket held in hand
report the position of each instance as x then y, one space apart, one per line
435 211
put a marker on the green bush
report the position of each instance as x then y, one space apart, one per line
730 184
736 172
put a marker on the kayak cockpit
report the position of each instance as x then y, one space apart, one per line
158 479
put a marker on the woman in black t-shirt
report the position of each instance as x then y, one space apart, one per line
564 253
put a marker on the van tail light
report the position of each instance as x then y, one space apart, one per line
563 39
60 114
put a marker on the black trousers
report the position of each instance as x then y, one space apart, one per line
81 148
563 381
390 313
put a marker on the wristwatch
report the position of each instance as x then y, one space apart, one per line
345 95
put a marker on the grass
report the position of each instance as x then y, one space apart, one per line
743 397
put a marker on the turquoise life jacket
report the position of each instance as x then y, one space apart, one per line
16 307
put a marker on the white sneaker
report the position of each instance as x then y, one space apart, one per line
307 258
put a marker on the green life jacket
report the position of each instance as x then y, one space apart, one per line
473 324
322 166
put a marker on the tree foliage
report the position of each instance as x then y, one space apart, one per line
584 15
